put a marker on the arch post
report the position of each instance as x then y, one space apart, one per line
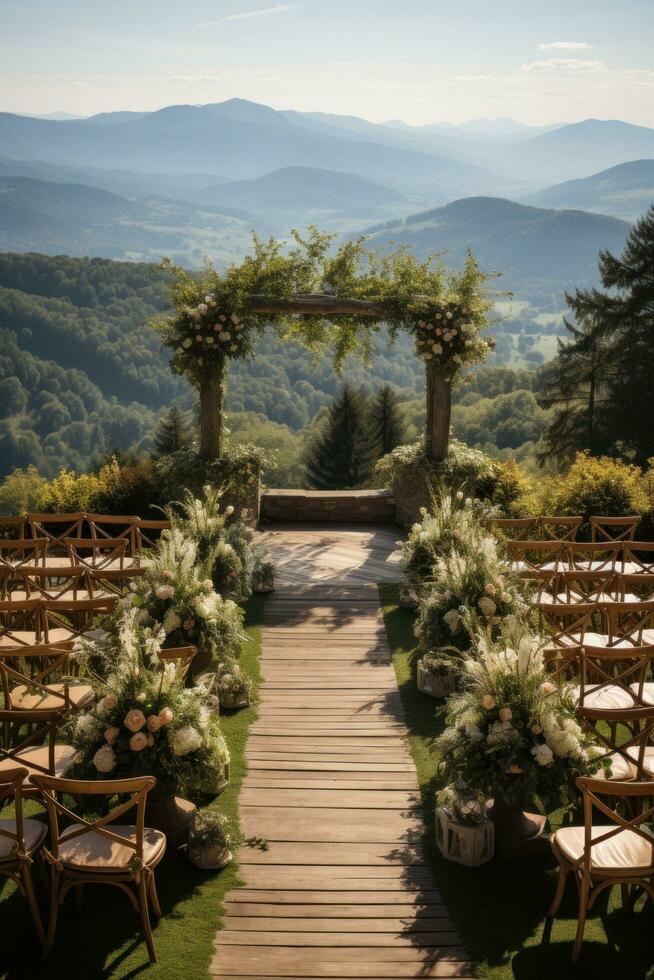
439 411
212 400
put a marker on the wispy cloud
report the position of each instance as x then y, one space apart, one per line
565 64
565 46
280 8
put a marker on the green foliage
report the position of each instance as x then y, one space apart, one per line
340 455
386 422
237 473
172 433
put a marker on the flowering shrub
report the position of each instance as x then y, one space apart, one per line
462 804
512 734
209 828
145 722
178 593
229 683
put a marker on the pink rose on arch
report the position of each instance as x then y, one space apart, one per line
166 716
153 723
134 720
506 714
138 742
111 734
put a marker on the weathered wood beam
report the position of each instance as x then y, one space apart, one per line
316 304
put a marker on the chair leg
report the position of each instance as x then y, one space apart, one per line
564 868
154 898
54 912
626 898
584 891
145 917
31 901
79 897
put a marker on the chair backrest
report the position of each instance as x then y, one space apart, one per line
147 531
584 585
606 723
12 527
613 528
560 528
596 795
566 622
183 656
11 787
113 526
639 556
639 584
137 789
626 622
18 553
620 668
40 725
520 527
594 555
539 555
56 527
561 662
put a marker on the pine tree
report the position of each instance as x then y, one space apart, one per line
601 384
386 422
340 455
172 433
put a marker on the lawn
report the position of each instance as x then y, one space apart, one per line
500 907
103 938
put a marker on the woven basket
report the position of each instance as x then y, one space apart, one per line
438 685
210 857
470 846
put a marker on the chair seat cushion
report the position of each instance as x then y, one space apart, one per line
34 833
621 769
94 851
648 691
36 760
16 639
22 697
624 851
608 697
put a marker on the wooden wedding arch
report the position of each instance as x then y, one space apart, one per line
438 387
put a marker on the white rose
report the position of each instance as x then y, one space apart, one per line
543 754
186 740
104 759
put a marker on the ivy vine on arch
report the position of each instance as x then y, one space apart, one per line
327 299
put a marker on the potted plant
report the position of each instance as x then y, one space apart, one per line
436 675
464 834
229 684
209 839
513 737
146 722
263 576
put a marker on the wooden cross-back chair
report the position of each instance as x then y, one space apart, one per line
106 559
20 553
31 739
638 556
627 623
599 856
636 586
114 526
614 528
613 677
56 528
39 622
20 841
560 528
12 527
65 591
520 527
148 531
567 624
103 851
528 556
182 656
593 556
42 677
582 585
631 757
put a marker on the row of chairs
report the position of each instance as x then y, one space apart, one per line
567 528
137 532
627 557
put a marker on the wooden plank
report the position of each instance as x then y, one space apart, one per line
334 940
357 914
421 897
349 924
277 823
368 855
358 799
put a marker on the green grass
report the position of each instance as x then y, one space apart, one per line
500 908
103 939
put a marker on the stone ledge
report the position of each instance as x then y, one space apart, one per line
331 506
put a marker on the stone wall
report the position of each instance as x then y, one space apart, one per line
328 506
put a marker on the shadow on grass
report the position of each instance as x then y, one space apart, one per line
103 938
499 908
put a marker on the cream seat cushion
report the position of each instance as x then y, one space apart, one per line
648 691
16 639
609 697
624 851
34 833
38 755
23 698
93 850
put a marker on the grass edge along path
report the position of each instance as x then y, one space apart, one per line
103 939
500 908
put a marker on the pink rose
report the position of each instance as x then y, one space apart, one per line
166 716
153 723
515 770
138 742
110 700
164 592
506 714
134 720
547 688
167 575
488 702
111 734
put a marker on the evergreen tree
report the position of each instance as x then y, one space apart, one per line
340 455
601 385
386 422
172 433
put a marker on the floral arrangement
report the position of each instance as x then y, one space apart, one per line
178 592
462 804
145 721
470 583
447 334
229 683
512 734
210 828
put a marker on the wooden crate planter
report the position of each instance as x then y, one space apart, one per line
470 846
437 685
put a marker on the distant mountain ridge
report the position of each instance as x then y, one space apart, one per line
625 191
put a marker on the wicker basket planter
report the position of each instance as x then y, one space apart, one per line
470 846
210 857
231 701
437 685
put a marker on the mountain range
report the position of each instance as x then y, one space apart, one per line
625 191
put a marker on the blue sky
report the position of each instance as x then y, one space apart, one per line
417 60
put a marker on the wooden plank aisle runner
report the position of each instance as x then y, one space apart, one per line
343 890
